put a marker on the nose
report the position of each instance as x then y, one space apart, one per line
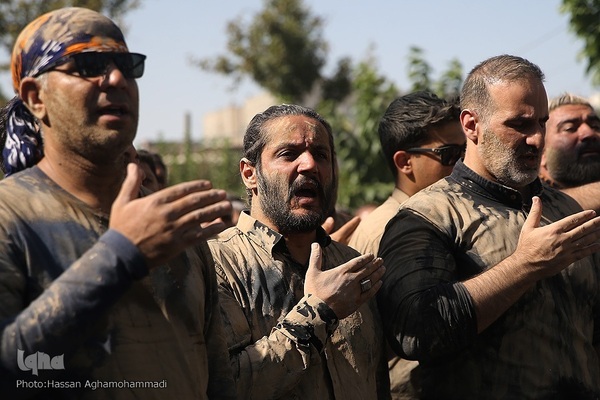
536 139
587 133
307 163
113 76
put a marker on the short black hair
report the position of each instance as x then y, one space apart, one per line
407 122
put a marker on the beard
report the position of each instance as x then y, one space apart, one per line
570 169
277 203
504 162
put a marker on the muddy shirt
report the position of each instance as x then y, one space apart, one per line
284 344
365 239
368 233
70 288
541 347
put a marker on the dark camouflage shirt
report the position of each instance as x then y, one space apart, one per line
286 345
68 287
542 347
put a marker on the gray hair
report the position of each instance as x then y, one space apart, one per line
504 68
566 99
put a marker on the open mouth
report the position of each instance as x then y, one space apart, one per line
307 189
306 192
113 110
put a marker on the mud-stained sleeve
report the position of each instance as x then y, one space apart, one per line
273 365
425 311
56 322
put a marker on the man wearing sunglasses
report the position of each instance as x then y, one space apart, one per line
422 139
492 279
103 293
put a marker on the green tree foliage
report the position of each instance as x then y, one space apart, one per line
219 165
281 49
419 70
364 175
584 17
420 75
449 84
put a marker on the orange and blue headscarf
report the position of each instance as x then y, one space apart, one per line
42 44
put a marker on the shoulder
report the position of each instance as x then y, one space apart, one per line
377 219
25 194
435 200
226 242
381 215
234 254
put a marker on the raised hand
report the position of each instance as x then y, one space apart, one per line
551 248
164 223
340 288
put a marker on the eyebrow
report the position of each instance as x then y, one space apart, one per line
295 145
591 117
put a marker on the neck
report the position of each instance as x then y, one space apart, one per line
407 185
545 176
299 245
95 185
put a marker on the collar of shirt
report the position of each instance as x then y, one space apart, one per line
493 190
267 237
399 196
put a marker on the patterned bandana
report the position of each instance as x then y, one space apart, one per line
40 46
23 146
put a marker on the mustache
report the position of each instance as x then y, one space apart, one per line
304 182
588 147
529 151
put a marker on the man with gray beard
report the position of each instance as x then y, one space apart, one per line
496 296
299 309
572 150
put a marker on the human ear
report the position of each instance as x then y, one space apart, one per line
30 92
248 173
403 163
469 121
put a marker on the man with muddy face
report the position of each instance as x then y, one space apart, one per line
296 180
298 306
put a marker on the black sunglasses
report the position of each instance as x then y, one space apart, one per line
449 153
94 64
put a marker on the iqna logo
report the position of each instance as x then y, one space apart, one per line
39 360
